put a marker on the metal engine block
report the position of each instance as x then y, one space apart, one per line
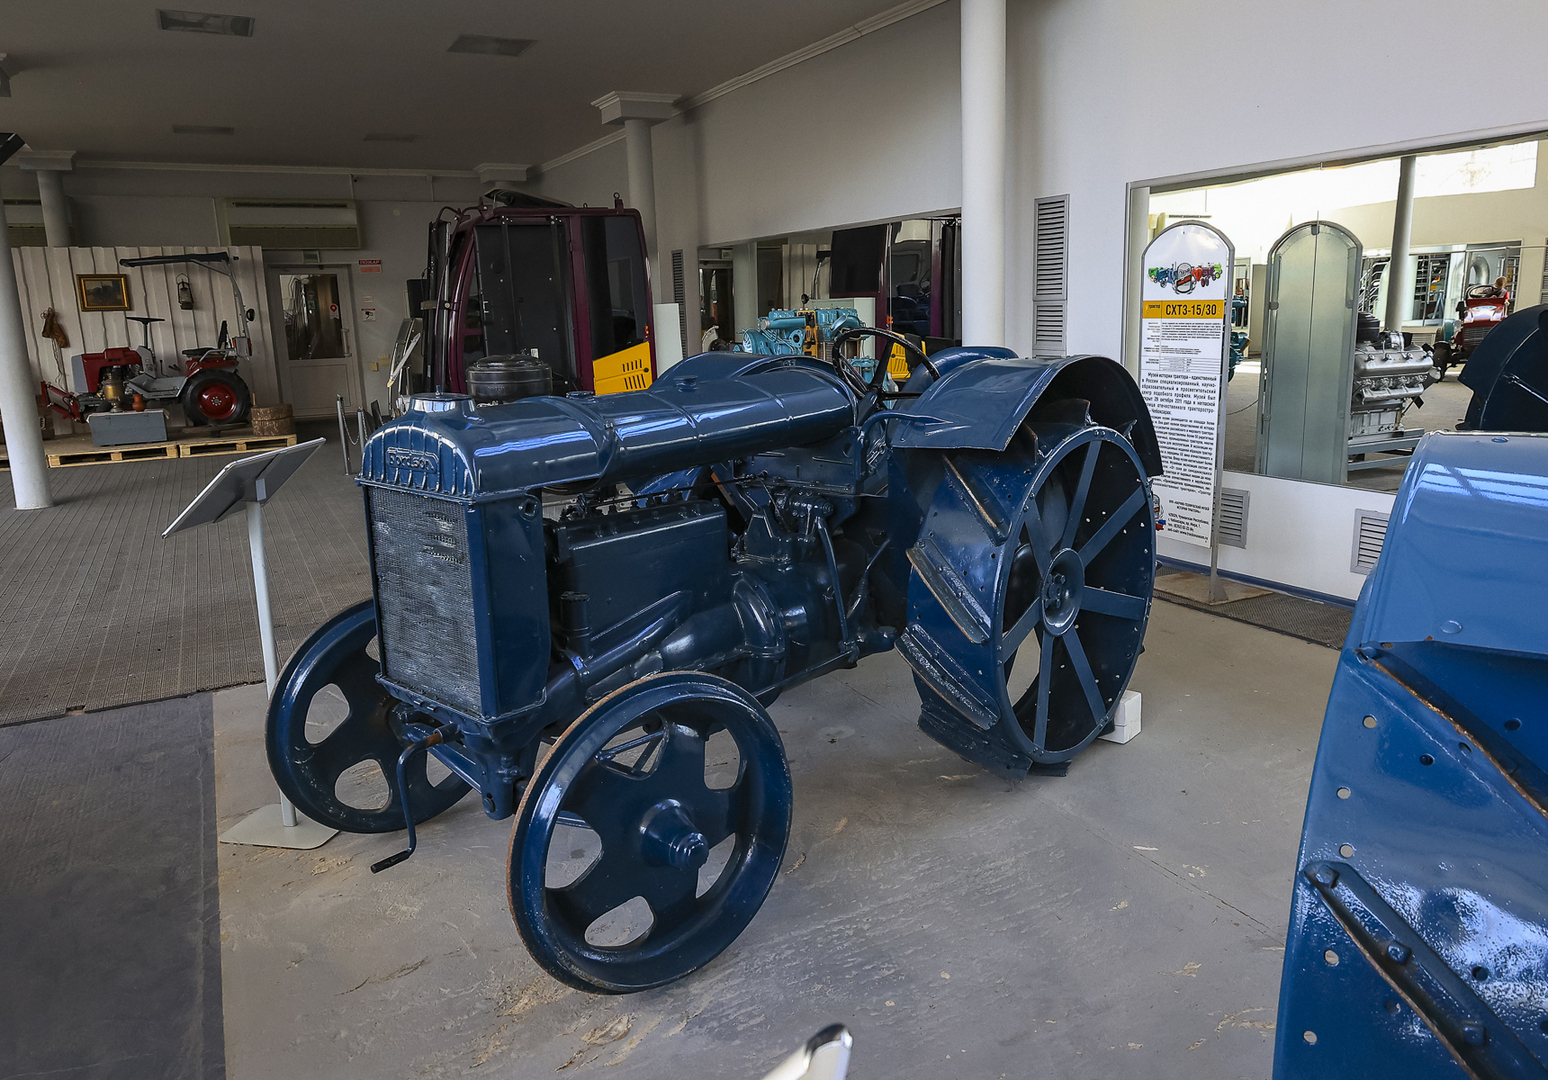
625 578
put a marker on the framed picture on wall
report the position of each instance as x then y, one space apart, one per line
102 292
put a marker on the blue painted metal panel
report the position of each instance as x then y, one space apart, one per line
446 445
1419 925
978 405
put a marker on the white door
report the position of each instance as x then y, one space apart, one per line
318 340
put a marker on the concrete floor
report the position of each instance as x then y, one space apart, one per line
1125 920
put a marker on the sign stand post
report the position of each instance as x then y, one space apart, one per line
244 486
1185 354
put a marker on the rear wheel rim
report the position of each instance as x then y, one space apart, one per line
217 401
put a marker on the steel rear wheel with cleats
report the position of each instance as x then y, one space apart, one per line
629 867
309 768
1029 591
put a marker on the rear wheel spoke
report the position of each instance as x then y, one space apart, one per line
1082 490
1099 540
1106 602
1011 640
1044 678
1088 683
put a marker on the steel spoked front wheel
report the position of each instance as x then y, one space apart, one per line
651 834
331 741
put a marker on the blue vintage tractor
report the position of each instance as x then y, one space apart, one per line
1418 942
620 580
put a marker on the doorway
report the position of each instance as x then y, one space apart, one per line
318 356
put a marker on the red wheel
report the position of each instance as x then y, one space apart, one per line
216 397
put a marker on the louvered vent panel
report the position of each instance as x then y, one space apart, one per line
1233 517
1050 273
1544 298
1370 530
678 293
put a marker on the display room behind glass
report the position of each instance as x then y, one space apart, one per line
1478 223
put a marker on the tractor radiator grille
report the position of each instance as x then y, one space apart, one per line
424 587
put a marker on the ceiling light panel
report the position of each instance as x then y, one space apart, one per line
490 46
200 22
201 129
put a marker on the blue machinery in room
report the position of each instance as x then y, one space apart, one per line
1418 932
622 579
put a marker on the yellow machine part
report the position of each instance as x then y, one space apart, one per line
627 369
897 364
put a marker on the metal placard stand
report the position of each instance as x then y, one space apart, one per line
1185 335
245 485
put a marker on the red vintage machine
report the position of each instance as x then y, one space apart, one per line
1481 309
207 386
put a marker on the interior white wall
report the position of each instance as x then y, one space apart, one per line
1298 534
1100 99
156 208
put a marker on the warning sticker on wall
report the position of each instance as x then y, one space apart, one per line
1183 343
370 266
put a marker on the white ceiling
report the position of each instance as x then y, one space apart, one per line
100 78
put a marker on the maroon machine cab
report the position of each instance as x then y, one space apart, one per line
567 285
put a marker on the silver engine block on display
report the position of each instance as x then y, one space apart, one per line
1387 379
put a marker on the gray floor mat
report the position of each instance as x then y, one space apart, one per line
111 934
100 611
1325 624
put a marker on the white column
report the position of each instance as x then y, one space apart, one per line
18 392
636 112
56 211
983 172
642 177
744 289
1400 284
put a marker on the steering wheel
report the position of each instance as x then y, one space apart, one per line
880 373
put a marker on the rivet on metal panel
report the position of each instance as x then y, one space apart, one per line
1398 952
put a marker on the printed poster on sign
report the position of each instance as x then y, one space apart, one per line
1184 341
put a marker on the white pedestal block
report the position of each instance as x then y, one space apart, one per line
1126 720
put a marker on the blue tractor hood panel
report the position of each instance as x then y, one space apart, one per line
1469 502
1418 935
981 405
694 415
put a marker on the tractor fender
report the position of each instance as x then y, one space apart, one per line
981 405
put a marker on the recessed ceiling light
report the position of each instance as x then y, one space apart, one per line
387 136
490 46
200 22
201 129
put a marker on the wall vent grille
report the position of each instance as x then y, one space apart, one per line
1370 531
1051 273
678 293
1232 530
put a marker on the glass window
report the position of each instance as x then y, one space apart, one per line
615 277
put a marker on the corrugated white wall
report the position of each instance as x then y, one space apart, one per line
47 279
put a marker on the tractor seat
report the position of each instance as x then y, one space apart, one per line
196 352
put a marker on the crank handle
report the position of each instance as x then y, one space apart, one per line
417 747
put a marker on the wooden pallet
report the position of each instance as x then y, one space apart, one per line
79 450
245 445
100 455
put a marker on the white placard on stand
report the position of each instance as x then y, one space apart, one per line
244 486
1185 334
